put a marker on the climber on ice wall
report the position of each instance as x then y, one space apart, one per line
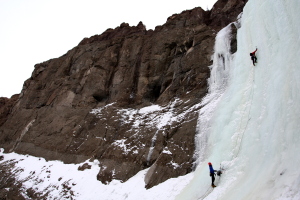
253 57
212 174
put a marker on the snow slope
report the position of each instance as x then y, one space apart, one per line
56 180
254 134
249 124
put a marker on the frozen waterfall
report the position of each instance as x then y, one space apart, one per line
252 130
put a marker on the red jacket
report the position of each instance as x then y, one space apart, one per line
253 53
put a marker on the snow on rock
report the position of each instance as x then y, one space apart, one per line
126 147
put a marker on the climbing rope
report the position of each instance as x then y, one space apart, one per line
242 134
238 146
208 191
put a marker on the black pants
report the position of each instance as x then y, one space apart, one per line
212 178
254 59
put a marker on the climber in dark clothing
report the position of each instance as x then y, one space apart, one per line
253 57
212 174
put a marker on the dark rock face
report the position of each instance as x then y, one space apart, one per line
6 106
84 167
87 104
224 11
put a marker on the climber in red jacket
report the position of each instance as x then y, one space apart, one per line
253 57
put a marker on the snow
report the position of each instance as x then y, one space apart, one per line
167 151
248 124
149 109
127 148
54 177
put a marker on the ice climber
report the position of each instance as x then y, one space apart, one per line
212 174
253 57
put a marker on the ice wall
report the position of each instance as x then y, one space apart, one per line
254 134
218 82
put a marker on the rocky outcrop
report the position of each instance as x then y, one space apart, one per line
6 106
224 11
109 97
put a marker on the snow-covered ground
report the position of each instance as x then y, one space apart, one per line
64 181
249 124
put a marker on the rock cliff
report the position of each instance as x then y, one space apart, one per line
127 97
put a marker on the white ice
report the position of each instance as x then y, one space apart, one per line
254 134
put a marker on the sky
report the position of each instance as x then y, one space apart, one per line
34 31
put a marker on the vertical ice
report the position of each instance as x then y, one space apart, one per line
254 133
217 82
